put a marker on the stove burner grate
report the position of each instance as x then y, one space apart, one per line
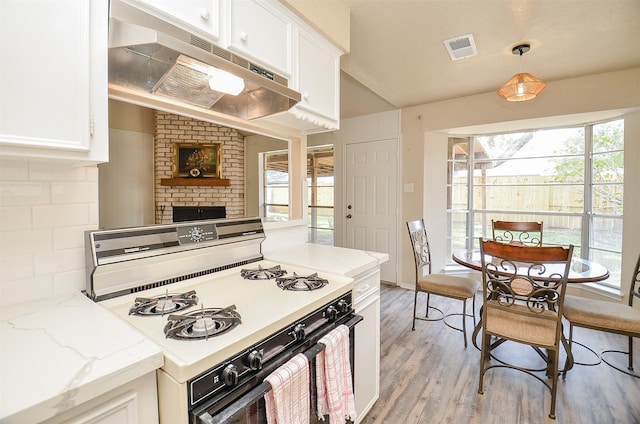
263 273
169 303
301 283
202 324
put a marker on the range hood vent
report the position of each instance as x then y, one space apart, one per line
173 70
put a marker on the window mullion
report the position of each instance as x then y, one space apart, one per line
587 217
470 189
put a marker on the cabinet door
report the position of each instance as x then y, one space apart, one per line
262 33
367 354
53 79
318 76
203 15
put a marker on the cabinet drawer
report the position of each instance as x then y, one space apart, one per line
366 285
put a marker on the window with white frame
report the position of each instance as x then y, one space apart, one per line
320 183
275 185
570 178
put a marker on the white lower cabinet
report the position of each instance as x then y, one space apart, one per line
133 403
367 342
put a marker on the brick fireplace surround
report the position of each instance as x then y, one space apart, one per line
171 129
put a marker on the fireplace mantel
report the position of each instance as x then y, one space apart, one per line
195 182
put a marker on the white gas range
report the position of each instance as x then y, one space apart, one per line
158 268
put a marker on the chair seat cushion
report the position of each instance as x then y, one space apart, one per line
518 323
449 286
602 315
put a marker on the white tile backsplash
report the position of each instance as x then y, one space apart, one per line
52 216
20 193
45 209
73 192
15 267
14 219
29 241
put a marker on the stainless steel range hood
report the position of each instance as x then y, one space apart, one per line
173 70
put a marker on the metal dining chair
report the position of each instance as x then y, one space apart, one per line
610 317
521 308
454 287
526 233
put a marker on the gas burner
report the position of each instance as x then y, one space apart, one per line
202 324
301 283
262 273
161 305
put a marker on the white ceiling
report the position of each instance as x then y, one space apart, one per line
397 48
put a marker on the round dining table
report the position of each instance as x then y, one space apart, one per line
582 270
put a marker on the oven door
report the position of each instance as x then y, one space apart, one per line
248 406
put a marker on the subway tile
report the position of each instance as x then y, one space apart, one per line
69 282
12 169
15 218
59 261
15 267
55 171
19 193
70 237
26 242
57 216
74 192
26 290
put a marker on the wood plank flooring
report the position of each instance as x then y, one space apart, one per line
427 376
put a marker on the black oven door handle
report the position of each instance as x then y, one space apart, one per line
241 403
259 391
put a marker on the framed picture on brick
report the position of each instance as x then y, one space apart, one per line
197 160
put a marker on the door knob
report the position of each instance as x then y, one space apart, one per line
348 216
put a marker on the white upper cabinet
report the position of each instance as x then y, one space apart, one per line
261 31
319 84
317 78
53 79
201 17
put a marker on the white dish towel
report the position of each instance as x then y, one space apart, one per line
333 378
288 400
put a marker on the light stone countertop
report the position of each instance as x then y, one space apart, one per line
336 260
56 354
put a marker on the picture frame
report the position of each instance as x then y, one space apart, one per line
197 160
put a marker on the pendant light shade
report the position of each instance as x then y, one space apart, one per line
522 86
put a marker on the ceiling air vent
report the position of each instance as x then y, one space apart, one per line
461 47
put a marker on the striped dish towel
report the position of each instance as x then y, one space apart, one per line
288 400
333 378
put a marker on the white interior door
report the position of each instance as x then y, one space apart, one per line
371 200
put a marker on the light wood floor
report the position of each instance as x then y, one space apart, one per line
427 376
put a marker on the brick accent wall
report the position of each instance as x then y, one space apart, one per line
171 129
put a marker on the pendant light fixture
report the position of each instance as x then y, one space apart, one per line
522 86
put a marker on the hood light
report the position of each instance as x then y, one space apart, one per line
225 82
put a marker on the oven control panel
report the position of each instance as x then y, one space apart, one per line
196 233
260 360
